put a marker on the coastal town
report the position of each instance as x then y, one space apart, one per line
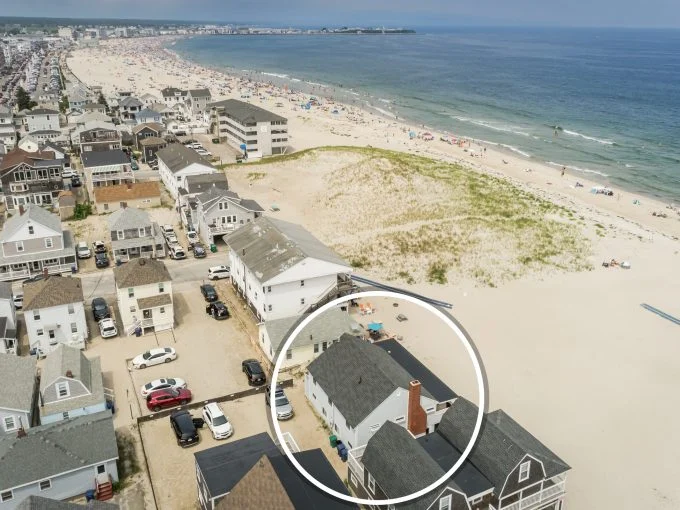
164 229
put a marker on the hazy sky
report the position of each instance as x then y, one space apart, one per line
638 13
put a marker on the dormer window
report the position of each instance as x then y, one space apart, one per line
62 390
31 230
524 471
445 503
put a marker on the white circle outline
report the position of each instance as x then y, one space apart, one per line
480 385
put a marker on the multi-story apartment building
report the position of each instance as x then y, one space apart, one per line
97 136
39 119
30 178
262 132
198 101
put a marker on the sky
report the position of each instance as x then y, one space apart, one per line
407 13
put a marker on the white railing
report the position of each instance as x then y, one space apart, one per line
25 273
222 229
535 499
354 462
111 176
292 445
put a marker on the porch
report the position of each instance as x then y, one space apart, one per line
535 497
354 462
157 314
21 271
128 249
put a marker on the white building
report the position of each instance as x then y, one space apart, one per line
17 396
217 212
356 386
42 119
176 162
8 320
281 270
8 134
54 313
144 295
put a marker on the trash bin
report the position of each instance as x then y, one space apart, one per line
213 248
111 406
342 451
74 269
198 422
334 441
89 495
138 331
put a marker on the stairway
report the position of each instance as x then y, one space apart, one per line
104 490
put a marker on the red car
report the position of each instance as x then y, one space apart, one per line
168 397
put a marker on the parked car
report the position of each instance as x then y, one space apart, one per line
218 310
68 174
18 300
170 238
167 229
99 247
199 251
168 397
192 237
284 409
162 384
75 182
217 421
176 252
83 251
100 310
134 166
254 372
183 426
107 328
209 292
218 272
154 357
101 260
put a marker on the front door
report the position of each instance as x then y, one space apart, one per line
35 265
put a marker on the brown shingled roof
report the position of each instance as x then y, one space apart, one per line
52 291
140 271
18 156
152 140
123 192
151 125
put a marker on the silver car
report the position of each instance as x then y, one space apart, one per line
284 409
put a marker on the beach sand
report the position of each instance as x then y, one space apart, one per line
571 355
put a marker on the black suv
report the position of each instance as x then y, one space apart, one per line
101 260
184 428
209 292
100 310
218 310
254 372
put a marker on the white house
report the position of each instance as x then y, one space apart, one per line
313 340
175 162
39 119
356 386
106 168
7 130
8 320
54 313
217 212
71 385
144 294
29 143
281 270
17 397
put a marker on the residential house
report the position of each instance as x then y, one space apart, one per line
194 185
262 132
166 111
134 235
39 119
148 99
314 338
8 320
106 168
217 212
253 473
28 143
8 135
146 115
175 162
30 178
47 135
71 385
94 108
81 119
144 290
198 100
281 270
54 314
41 503
33 241
97 136
355 386
18 398
59 460
129 107
59 153
78 96
150 146
137 195
173 96
146 130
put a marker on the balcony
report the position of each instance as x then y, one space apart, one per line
354 462
124 174
551 490
224 228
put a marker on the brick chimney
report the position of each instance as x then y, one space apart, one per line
417 419
69 374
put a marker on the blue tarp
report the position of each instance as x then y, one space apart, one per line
375 326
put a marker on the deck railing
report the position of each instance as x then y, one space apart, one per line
354 462
537 498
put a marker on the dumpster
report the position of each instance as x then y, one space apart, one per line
334 441
213 248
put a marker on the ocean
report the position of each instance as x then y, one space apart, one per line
603 102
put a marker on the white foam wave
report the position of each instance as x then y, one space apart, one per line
384 112
578 169
489 125
515 149
276 75
628 165
586 137
295 79
384 100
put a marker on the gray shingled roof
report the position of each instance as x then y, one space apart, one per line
501 445
21 372
331 325
5 290
128 218
245 112
104 158
39 503
140 271
154 301
43 111
34 213
212 197
199 93
170 92
129 102
177 157
203 182
52 291
50 450
269 246
358 376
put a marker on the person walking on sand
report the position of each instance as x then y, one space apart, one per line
563 168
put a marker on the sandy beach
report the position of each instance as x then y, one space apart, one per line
569 353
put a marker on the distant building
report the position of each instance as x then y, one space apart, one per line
39 119
94 108
18 398
106 168
173 96
134 195
262 132
176 162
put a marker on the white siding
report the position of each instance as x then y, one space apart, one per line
58 320
127 304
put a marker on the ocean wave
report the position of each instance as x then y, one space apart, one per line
276 75
586 137
295 79
628 165
384 100
578 169
506 146
384 112
488 125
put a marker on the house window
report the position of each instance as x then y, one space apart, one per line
289 354
50 332
400 419
371 483
374 428
106 207
302 301
302 283
316 348
323 410
133 309
6 496
39 332
445 503
162 309
324 345
45 484
74 327
36 315
313 395
65 415
429 410
71 309
131 292
476 500
30 229
101 469
269 289
262 337
48 242
353 479
524 471
142 232
19 245
161 287
62 390
120 234
269 308
10 423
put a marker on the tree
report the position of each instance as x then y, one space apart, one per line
24 100
102 100
63 104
